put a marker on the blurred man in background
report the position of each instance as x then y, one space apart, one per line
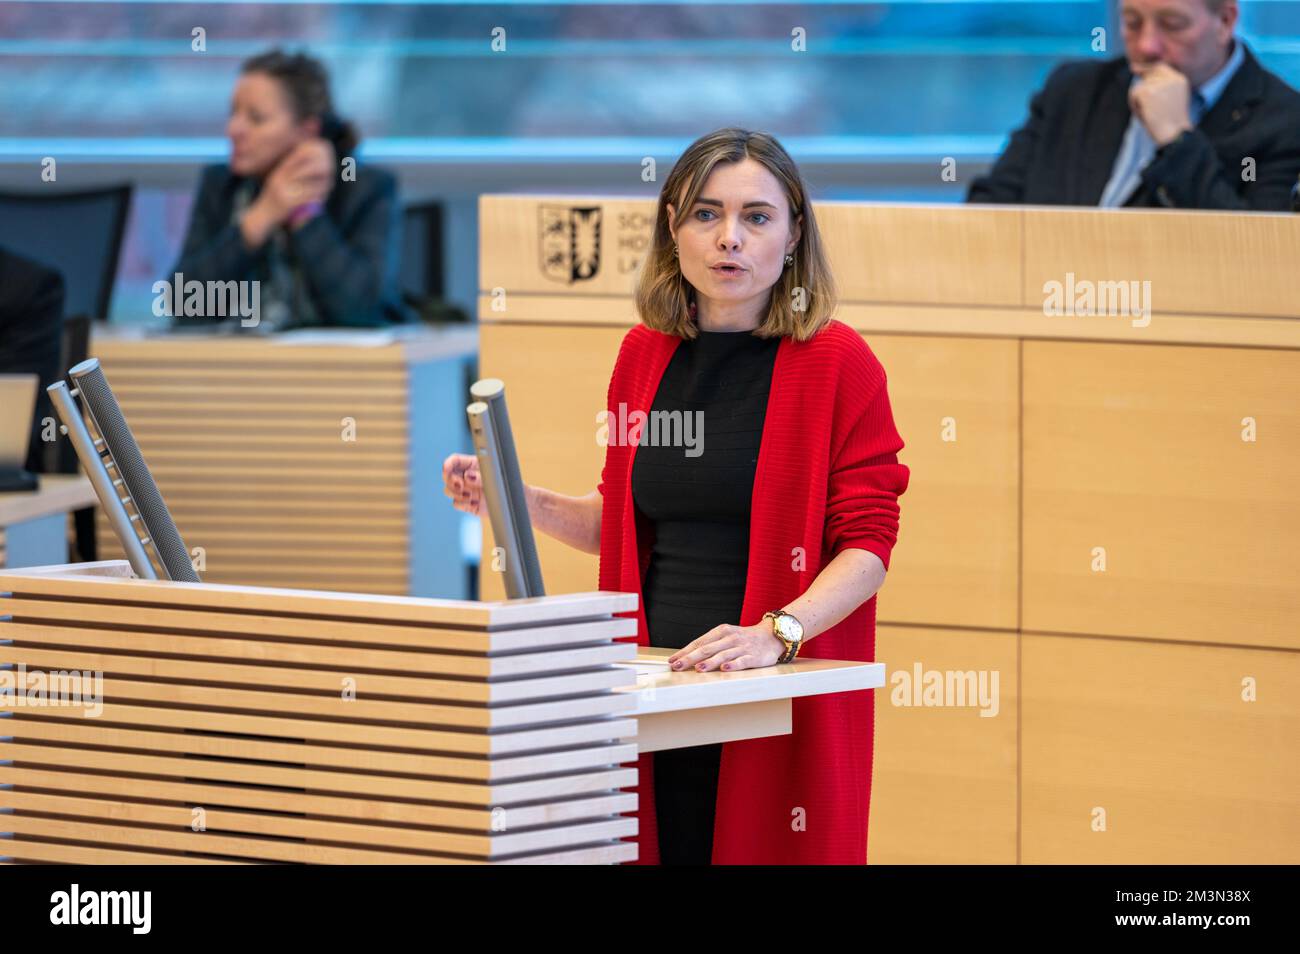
1186 119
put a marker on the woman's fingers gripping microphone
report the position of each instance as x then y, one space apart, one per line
463 483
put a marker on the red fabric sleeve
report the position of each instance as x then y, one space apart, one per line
609 405
604 468
865 478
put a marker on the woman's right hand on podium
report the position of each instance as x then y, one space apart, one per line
463 483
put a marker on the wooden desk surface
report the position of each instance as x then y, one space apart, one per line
306 347
57 493
663 690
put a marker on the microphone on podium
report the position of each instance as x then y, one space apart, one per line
122 481
503 489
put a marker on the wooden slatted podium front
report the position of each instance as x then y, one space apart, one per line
476 732
253 724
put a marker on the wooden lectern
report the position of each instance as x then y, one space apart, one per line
156 722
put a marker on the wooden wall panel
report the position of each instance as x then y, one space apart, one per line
938 254
879 252
1159 738
1206 263
957 558
556 384
944 778
1139 450
1217 277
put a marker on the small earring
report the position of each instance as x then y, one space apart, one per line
675 250
789 259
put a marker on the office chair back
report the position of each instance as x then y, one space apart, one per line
422 282
421 268
60 457
79 233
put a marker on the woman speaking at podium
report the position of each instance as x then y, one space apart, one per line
769 539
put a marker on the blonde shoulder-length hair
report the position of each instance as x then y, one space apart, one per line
803 299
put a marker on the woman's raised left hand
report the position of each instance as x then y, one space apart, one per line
729 647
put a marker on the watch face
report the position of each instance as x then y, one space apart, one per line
790 628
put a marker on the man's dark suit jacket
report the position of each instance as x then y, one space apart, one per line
31 333
1065 153
349 254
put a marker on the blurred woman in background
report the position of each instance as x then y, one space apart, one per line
319 233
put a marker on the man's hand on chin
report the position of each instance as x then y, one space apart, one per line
1161 99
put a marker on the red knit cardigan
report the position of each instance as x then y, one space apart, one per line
827 479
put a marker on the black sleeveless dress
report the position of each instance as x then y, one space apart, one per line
698 494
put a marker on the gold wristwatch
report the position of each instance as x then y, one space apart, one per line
789 630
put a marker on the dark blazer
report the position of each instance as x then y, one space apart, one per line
349 255
31 332
1065 153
